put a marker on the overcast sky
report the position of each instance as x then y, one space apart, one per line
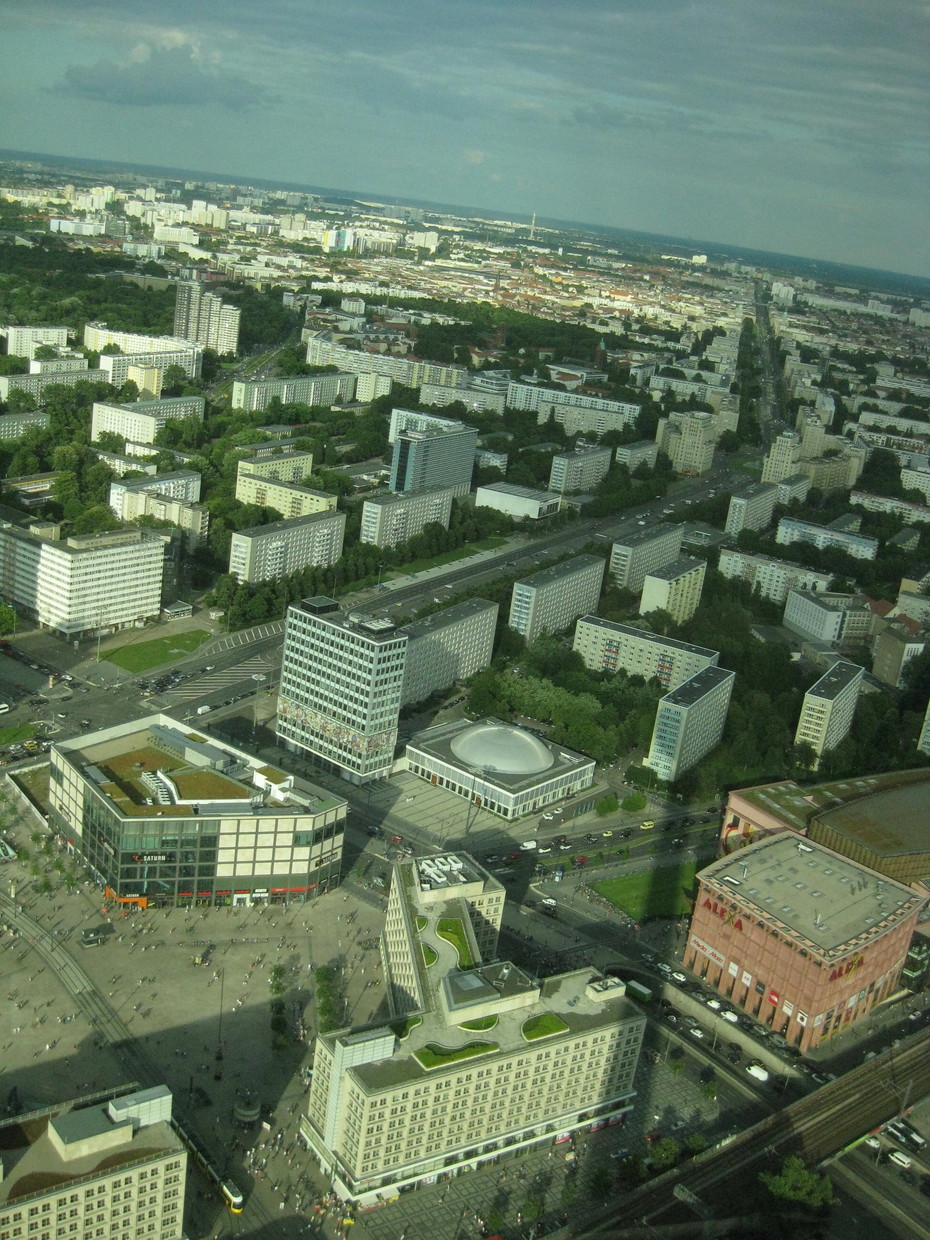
799 126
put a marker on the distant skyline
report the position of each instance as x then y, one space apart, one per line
769 124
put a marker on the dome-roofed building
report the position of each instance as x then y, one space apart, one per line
502 768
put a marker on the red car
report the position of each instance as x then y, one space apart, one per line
397 839
653 1137
579 860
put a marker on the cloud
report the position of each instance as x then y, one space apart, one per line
174 74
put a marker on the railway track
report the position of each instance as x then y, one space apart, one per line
813 1128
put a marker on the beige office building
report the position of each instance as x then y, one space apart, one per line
480 1058
105 1166
676 588
277 461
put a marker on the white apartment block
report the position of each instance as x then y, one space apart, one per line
829 707
859 546
792 488
82 584
551 599
642 452
917 480
276 461
285 497
328 389
270 552
516 501
387 1113
23 341
751 508
97 336
675 588
141 421
772 578
35 384
835 619
203 316
574 411
910 511
643 552
689 440
165 498
120 367
690 722
342 679
782 458
580 470
56 365
411 373
389 520
106 1164
183 485
448 647
606 646
15 425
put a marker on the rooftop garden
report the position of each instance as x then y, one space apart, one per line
452 930
433 1056
429 956
403 1028
543 1026
482 1025
422 923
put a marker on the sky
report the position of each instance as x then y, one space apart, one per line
797 126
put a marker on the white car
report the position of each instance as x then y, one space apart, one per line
528 845
678 977
696 1032
715 1004
731 1017
550 903
873 1143
664 968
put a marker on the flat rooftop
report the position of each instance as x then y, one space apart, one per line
834 682
630 630
812 893
652 532
556 572
448 616
679 567
33 1165
796 806
693 690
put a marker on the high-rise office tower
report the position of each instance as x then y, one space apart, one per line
342 680
434 458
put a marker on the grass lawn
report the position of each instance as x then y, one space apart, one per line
482 1025
20 732
434 1056
449 557
663 892
429 956
141 656
452 930
543 1026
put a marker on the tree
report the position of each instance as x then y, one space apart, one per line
796 1184
665 1154
173 381
607 805
7 619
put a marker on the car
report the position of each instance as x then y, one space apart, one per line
548 817
373 831
678 976
579 860
561 839
591 838
542 851
900 1159
492 858
734 1054
873 1143
653 1137
623 1152
715 1004
758 1070
647 825
607 835
529 845
730 1016
696 1031
397 839
566 847
626 833
548 902
678 842
663 967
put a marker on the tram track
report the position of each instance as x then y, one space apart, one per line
814 1128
